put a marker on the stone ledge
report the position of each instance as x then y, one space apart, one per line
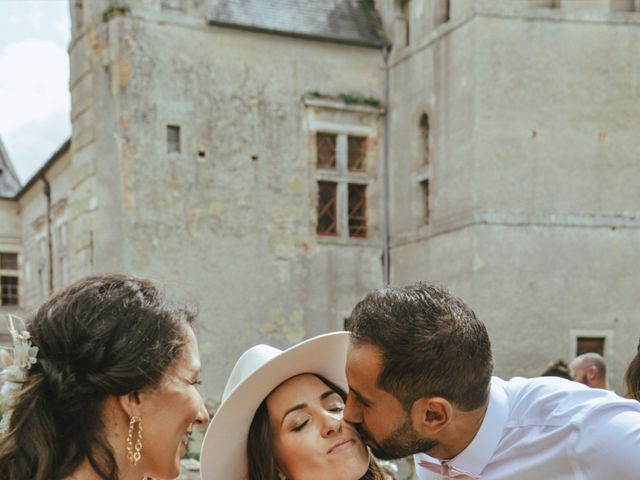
518 219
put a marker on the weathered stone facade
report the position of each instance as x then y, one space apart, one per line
511 169
228 221
533 197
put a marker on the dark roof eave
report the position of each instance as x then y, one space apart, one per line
344 41
57 154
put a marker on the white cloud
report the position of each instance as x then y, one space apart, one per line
33 144
36 17
34 77
61 28
34 83
32 19
33 94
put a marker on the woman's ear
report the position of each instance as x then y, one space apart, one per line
431 414
130 403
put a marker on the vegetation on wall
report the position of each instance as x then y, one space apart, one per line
114 11
349 98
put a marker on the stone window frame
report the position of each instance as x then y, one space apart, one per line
424 170
40 247
441 12
403 23
342 176
575 334
6 273
332 115
61 249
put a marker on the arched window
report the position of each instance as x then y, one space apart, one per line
404 22
425 170
442 13
424 137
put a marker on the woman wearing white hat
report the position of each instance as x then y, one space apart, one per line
281 418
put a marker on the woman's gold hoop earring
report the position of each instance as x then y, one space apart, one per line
134 451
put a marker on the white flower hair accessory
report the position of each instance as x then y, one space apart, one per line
15 366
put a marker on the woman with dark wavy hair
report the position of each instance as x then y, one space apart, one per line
102 385
281 418
632 376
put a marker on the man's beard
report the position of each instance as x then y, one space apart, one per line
402 442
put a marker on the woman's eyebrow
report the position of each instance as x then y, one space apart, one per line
328 393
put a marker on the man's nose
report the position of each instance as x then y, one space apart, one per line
352 412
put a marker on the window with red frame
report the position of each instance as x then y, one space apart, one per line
326 150
357 153
341 167
327 220
357 210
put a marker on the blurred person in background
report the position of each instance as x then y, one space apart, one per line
590 369
557 368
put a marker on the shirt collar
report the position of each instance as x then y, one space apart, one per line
476 456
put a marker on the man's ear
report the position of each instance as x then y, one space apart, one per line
130 403
592 373
431 414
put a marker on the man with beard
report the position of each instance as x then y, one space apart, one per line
589 369
419 367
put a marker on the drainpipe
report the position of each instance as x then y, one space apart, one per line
47 194
386 261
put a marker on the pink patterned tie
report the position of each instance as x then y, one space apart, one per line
446 471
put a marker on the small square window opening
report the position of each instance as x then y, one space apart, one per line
173 139
590 344
8 261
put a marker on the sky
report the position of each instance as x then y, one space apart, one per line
34 81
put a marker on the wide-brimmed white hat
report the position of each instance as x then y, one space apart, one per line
257 372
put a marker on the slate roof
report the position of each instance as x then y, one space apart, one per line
345 21
9 182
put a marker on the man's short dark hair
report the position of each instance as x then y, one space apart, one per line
432 344
557 368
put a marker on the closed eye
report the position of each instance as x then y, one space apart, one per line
300 427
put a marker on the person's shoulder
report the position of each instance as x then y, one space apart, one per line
597 429
557 401
520 389
520 386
